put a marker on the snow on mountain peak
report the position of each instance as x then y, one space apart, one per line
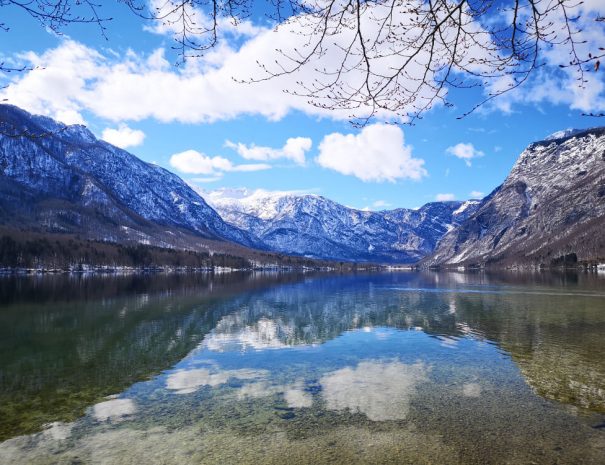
563 134
261 203
465 205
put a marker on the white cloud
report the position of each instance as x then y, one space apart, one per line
72 78
445 197
377 153
171 20
69 117
294 149
562 85
465 152
123 136
251 167
381 204
377 205
194 162
208 179
134 86
477 194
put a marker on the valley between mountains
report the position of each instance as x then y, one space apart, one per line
61 183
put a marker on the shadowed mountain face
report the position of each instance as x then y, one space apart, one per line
550 210
56 178
314 226
61 179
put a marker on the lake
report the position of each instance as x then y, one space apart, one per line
409 367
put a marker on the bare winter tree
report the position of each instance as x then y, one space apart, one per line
394 58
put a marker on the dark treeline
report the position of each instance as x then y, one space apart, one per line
71 253
68 253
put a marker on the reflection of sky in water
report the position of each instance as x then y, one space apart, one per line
375 372
340 363
188 381
381 390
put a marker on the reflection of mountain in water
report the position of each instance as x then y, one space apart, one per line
66 345
554 334
66 342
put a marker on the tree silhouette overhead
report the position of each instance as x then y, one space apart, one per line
393 58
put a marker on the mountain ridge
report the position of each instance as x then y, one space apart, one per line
550 210
312 225
63 179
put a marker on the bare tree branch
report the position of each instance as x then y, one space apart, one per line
389 58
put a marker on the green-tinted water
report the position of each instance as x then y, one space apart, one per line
386 368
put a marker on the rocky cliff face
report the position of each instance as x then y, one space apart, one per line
314 226
62 179
550 210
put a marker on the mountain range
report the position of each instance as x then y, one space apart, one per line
313 226
62 179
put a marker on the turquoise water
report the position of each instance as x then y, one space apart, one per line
381 368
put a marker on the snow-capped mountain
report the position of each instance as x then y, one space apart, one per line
549 210
60 178
311 225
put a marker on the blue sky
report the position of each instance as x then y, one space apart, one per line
184 120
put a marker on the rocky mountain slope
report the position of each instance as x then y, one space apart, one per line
550 210
61 179
311 225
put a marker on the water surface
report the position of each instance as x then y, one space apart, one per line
247 368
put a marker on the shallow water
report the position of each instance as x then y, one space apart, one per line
381 368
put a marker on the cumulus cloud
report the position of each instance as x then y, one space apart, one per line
477 194
72 78
194 162
445 197
134 86
465 152
294 149
123 136
377 153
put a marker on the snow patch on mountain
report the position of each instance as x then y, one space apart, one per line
563 134
551 205
307 224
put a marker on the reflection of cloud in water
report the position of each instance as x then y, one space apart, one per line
230 334
294 394
296 397
447 341
58 431
114 409
257 390
187 381
471 390
380 390
452 306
